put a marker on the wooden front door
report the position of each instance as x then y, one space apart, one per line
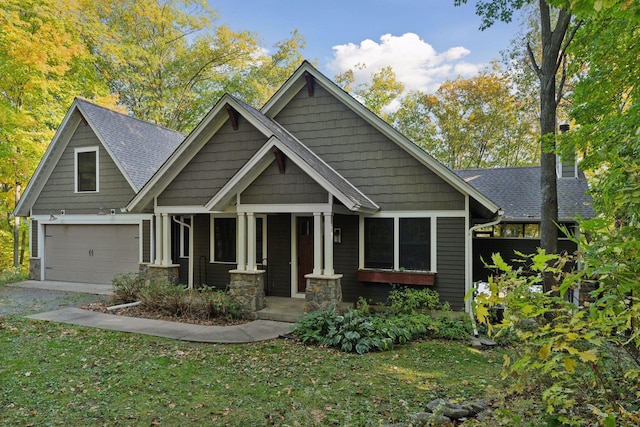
305 250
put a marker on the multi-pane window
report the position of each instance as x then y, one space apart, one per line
412 240
86 163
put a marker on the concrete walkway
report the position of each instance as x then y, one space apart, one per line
257 330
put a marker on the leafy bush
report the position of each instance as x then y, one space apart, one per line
406 300
127 287
360 332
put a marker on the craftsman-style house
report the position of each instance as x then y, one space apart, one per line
313 196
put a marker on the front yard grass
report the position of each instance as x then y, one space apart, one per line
55 374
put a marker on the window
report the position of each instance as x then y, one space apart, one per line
504 230
411 237
184 236
86 164
224 239
378 242
415 247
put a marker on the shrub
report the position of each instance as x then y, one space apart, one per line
406 300
127 287
177 301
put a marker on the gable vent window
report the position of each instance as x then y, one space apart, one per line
86 166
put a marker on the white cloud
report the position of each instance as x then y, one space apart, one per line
415 62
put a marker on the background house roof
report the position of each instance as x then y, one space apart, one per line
517 191
139 147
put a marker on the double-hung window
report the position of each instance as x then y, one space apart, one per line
86 169
398 243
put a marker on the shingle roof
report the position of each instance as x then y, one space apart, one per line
139 147
312 160
517 191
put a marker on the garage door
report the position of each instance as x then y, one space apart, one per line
90 253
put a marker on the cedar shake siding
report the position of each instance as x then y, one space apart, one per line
209 170
292 187
374 164
278 271
59 191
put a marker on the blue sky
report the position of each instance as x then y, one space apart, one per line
425 41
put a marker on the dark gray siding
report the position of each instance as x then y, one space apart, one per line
293 186
484 248
373 163
34 239
451 261
146 241
58 193
278 276
220 158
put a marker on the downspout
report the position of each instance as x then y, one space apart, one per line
497 220
190 275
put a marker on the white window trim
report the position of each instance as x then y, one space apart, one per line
212 238
78 150
396 236
184 232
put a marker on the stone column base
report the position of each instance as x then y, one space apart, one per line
35 269
155 272
247 288
322 292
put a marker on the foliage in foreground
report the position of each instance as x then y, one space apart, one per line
582 363
165 298
361 331
57 374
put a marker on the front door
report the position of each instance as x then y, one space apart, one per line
305 250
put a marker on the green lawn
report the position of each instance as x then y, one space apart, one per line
54 374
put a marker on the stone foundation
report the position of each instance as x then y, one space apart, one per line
35 269
154 272
247 288
322 292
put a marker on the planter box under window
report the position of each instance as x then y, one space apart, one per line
423 278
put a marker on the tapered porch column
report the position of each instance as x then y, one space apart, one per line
328 244
317 243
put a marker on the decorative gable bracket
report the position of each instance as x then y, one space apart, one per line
233 116
280 159
310 82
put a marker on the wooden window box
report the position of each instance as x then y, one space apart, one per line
423 278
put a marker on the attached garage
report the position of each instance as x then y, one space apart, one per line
90 253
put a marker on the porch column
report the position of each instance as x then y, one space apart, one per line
166 239
158 239
328 244
251 242
317 243
241 242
